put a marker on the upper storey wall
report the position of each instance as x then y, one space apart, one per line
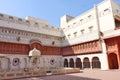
104 12
105 15
81 29
29 24
65 19
86 26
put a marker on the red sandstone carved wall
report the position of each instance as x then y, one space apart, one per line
112 45
85 48
46 50
113 48
15 48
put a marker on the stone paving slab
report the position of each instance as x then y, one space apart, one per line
83 75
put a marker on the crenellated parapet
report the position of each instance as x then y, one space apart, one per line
29 24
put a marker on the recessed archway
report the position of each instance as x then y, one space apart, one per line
86 62
113 61
78 63
5 64
65 63
96 63
35 44
71 63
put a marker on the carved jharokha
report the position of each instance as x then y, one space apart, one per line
84 48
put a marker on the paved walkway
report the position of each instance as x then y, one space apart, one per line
83 75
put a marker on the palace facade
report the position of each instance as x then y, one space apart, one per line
91 40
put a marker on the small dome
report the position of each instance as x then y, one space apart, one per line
34 52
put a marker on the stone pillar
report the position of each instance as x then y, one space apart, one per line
29 64
44 62
26 62
82 65
74 64
104 57
9 64
68 64
0 66
91 65
118 58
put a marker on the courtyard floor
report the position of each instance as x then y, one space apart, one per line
83 75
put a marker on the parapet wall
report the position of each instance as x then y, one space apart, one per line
29 24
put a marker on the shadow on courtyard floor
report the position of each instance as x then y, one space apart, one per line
59 77
66 77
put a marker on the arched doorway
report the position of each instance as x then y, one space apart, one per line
78 63
96 63
65 63
71 63
113 61
86 62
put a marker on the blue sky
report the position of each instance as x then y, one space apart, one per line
50 10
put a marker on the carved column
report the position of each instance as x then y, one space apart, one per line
0 66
